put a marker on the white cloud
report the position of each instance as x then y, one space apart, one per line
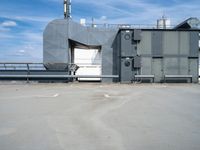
22 51
121 11
32 18
29 47
32 45
6 35
103 18
2 29
9 24
32 36
140 11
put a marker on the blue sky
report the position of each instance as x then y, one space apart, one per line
22 21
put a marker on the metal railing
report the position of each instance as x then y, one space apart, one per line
137 26
21 66
30 71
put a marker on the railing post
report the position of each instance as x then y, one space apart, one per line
28 72
5 66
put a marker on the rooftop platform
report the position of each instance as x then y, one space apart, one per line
99 116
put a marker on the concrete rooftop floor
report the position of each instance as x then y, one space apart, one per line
99 116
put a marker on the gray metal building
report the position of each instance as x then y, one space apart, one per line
156 55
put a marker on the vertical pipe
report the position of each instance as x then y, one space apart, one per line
67 9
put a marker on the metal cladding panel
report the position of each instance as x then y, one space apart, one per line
193 69
157 43
116 56
100 36
184 43
157 69
91 36
146 66
126 70
78 33
137 34
144 46
171 43
137 62
108 56
171 66
126 43
107 62
55 45
184 70
194 44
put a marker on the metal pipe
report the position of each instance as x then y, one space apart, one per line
67 9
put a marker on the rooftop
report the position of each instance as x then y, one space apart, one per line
99 116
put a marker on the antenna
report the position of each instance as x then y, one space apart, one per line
92 22
67 9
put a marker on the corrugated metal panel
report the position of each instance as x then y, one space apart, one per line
184 70
171 66
137 62
137 35
107 62
157 44
184 43
193 69
146 66
144 46
157 69
194 44
171 43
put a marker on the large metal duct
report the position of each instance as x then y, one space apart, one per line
61 35
191 23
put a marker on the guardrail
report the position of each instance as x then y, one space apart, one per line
59 76
22 66
138 26
36 71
